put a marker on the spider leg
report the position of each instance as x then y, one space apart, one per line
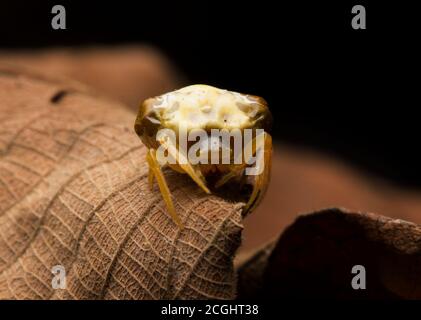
237 169
184 165
155 171
243 181
227 177
261 181
150 178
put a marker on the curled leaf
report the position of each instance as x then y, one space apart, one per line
315 256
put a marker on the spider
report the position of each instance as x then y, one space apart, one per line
203 109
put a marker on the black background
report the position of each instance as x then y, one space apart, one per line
301 309
354 93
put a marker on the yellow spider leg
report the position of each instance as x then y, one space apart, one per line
261 181
150 178
176 167
183 163
236 169
227 177
163 187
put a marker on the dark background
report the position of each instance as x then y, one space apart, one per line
354 93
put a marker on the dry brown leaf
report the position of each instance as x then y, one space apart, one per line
73 192
251 267
314 257
114 71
